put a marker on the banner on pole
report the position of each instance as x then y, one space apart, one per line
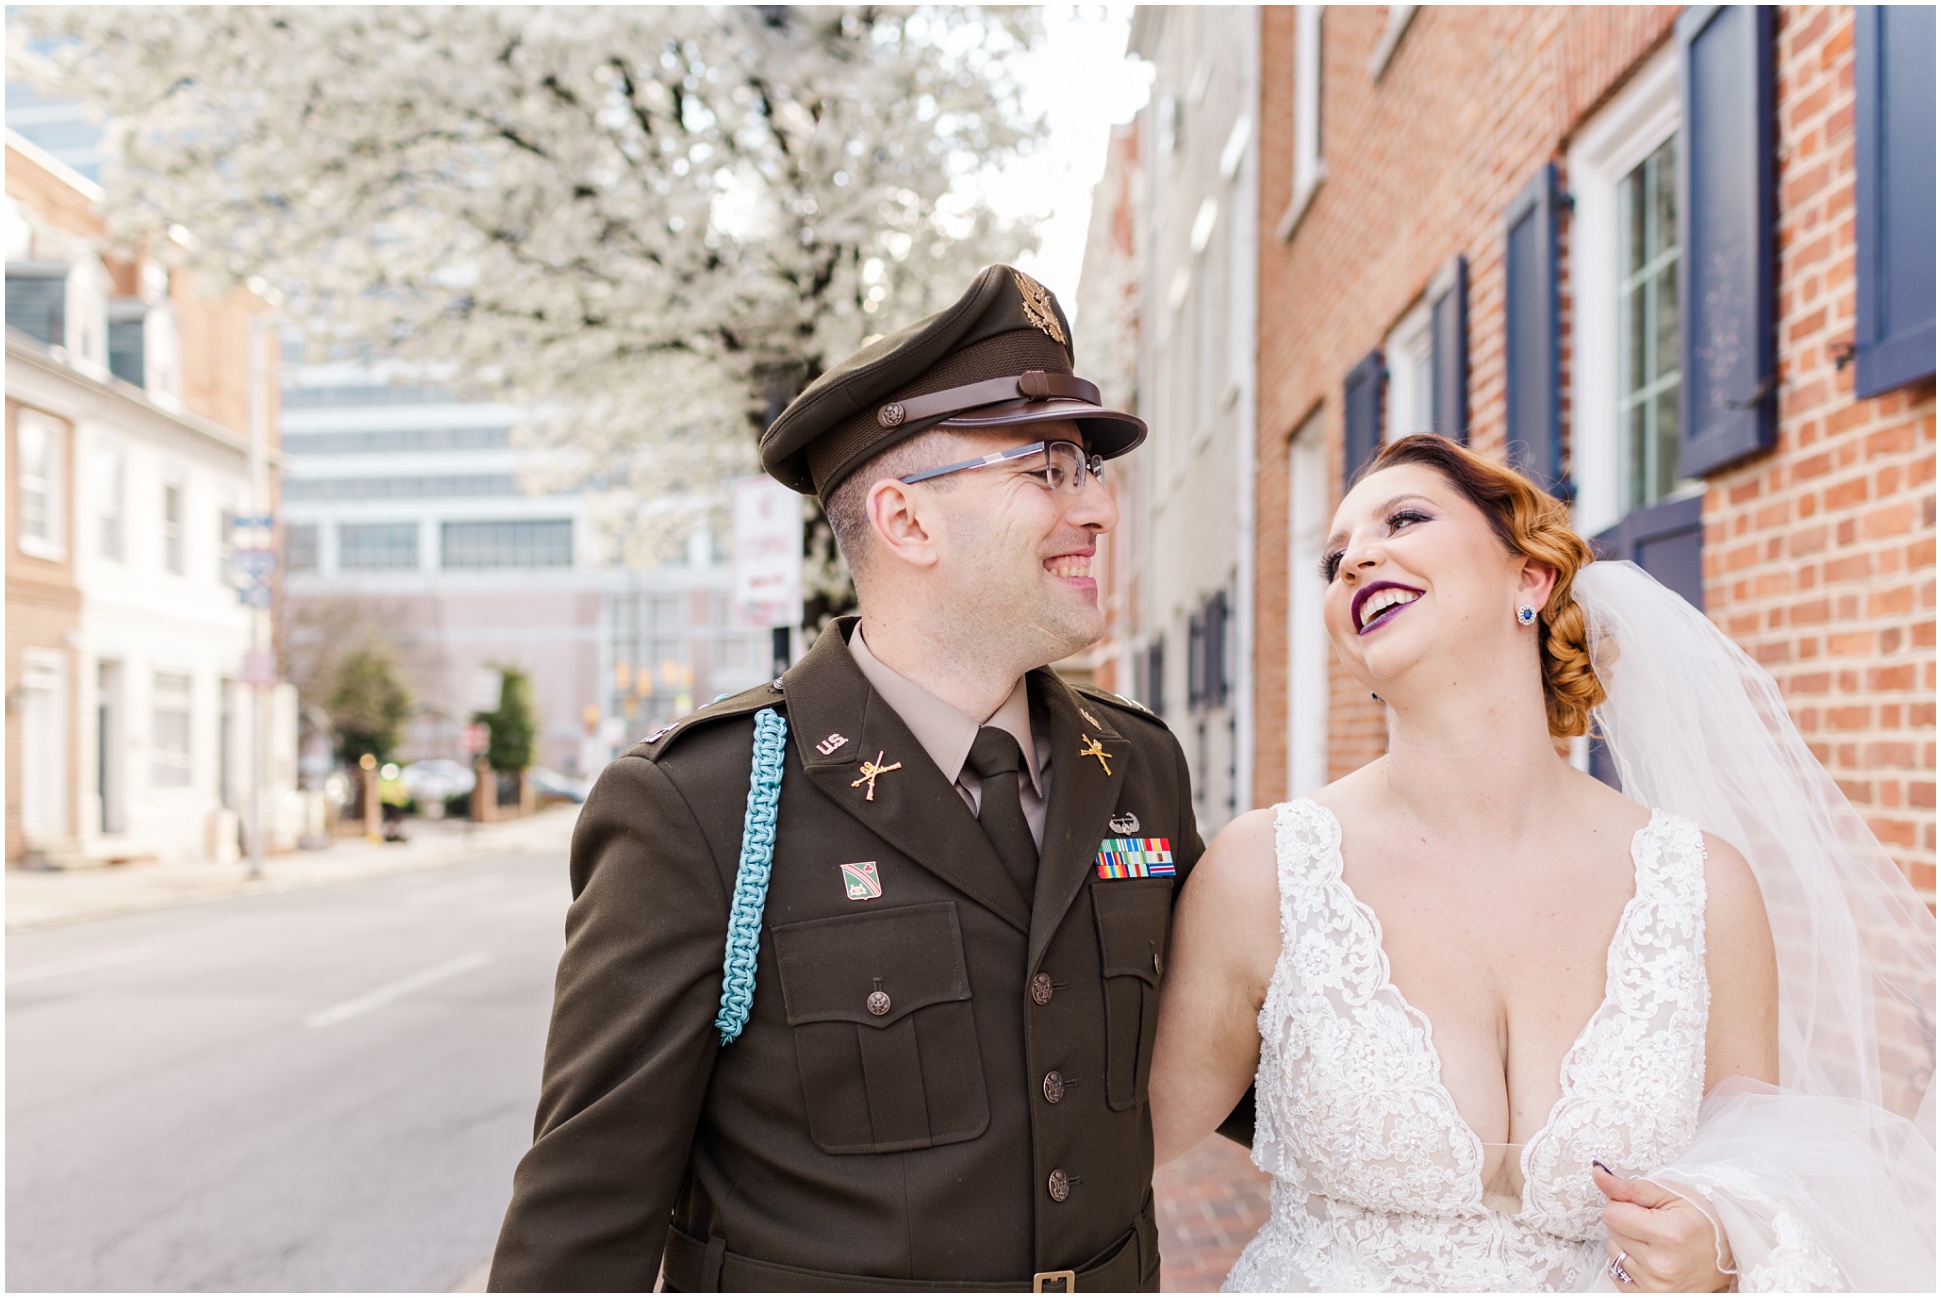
768 553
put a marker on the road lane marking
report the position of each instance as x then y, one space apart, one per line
392 991
450 891
79 964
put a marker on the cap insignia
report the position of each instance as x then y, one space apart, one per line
1038 306
891 415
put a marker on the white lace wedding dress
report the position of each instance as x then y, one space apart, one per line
1378 1181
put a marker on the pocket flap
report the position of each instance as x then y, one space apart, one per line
1133 917
832 967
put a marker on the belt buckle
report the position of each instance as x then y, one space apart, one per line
1067 1278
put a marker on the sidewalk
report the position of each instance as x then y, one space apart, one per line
1210 1202
36 899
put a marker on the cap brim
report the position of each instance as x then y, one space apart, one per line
1108 433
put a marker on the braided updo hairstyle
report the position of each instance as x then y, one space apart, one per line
1530 522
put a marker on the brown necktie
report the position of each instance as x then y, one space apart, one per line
999 764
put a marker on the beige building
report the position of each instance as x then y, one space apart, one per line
128 414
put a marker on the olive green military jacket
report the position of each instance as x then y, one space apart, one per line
988 1124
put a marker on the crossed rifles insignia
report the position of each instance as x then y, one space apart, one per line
1093 748
870 771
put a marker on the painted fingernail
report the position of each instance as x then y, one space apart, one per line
1600 1163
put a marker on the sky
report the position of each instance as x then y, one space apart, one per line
1080 78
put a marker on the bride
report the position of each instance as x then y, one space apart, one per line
1509 1028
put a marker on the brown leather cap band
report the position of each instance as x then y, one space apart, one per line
1033 385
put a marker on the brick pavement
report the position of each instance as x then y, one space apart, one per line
1211 1200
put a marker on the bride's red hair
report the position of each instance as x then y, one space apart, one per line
1531 522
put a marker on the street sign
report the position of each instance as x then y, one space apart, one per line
254 563
482 695
477 737
259 667
768 553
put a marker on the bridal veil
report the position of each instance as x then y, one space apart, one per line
1827 1181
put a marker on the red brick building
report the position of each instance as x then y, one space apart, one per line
1678 262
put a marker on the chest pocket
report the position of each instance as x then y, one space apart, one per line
1134 916
881 1008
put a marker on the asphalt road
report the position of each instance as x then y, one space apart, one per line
325 1089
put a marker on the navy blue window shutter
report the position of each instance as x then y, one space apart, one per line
1726 215
1531 398
1361 408
1449 348
1893 119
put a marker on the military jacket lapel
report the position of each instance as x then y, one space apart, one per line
916 810
1084 794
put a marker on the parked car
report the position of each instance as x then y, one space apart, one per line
438 779
549 783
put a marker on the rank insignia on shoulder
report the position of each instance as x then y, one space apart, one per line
1135 858
860 882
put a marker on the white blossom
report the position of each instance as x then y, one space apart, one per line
652 224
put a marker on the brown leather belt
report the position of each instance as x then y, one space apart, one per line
693 1266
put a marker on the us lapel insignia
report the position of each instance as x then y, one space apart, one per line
860 881
1124 823
1093 748
831 744
1135 858
870 771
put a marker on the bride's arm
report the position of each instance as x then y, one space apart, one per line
1672 1241
1226 938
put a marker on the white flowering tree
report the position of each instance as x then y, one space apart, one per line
652 224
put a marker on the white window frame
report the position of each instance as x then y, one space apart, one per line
111 502
49 483
1310 169
1310 496
176 531
44 729
1409 354
168 768
1643 115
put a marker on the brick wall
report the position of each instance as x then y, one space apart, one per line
1819 554
43 610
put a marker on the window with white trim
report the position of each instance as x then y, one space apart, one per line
173 540
171 719
111 502
1409 353
40 456
1309 169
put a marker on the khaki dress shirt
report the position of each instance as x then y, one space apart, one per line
947 734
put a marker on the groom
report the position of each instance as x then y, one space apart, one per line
939 1082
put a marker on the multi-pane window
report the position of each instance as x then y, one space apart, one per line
110 502
363 441
172 558
1648 335
40 448
300 544
37 303
401 487
524 543
376 546
169 726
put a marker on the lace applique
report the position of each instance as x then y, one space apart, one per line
1378 1180
1796 1262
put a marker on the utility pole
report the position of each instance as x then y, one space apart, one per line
261 681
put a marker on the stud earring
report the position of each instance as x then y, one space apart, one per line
1525 615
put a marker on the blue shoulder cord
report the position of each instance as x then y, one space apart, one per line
751 875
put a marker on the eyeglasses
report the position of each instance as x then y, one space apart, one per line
1065 468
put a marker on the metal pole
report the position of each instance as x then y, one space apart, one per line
260 507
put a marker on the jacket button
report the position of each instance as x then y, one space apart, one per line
1041 989
1059 1185
878 1003
1054 1086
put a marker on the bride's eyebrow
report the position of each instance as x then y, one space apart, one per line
1340 535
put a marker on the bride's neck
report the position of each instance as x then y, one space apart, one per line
1472 763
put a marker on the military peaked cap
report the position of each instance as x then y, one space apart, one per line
1001 354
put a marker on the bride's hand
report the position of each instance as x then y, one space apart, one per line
1668 1245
